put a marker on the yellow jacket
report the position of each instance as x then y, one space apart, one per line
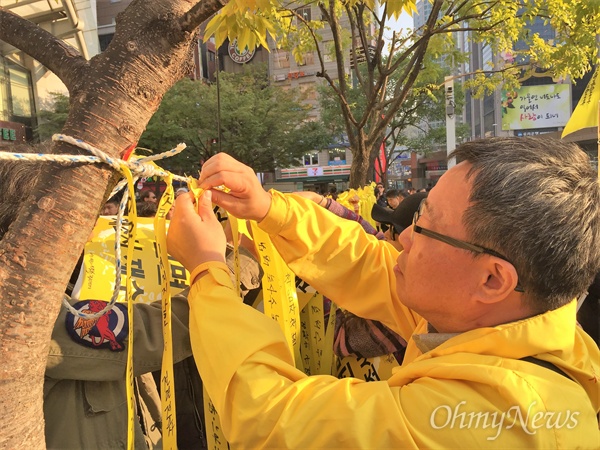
472 391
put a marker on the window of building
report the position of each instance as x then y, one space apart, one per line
311 159
307 59
3 92
304 13
20 92
281 59
104 40
328 51
337 156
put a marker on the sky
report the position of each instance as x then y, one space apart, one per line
405 21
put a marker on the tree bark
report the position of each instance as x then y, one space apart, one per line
361 161
112 99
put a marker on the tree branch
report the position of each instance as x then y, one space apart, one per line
411 72
56 55
342 89
201 11
375 90
353 53
380 37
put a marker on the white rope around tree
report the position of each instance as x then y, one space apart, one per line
137 167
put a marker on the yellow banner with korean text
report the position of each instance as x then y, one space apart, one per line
146 278
586 113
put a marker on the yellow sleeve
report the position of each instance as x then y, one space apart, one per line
336 257
263 401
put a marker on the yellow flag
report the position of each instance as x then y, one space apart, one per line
586 112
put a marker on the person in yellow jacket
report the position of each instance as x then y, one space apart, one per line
483 292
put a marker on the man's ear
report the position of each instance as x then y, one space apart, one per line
498 281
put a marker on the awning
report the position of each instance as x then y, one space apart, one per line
315 179
59 17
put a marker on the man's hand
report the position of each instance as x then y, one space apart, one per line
247 199
195 235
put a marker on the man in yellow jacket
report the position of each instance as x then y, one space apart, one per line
483 293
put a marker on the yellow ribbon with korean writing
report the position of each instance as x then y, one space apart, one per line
368 369
128 289
167 380
279 292
317 334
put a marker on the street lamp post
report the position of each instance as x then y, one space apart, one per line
218 63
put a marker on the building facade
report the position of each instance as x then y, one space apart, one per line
26 85
320 169
542 106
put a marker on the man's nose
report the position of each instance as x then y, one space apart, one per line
405 238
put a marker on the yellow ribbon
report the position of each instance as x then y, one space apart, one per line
132 216
279 291
167 380
327 359
317 336
215 439
368 369
234 223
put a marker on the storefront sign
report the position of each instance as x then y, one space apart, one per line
314 171
240 57
534 107
12 132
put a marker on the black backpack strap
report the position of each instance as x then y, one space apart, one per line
553 368
547 365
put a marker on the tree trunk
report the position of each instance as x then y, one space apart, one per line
113 97
362 163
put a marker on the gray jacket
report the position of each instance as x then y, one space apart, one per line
84 389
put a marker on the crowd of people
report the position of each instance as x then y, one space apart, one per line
472 286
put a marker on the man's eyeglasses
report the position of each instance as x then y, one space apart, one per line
455 242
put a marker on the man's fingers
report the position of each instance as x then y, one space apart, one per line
185 202
205 210
237 182
220 163
222 169
224 200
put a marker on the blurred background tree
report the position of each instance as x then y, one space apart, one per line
52 121
261 125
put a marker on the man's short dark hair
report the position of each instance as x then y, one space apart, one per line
537 202
145 194
146 209
392 193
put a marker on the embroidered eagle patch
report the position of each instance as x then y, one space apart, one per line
108 331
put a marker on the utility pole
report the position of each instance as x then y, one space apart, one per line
218 63
450 119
